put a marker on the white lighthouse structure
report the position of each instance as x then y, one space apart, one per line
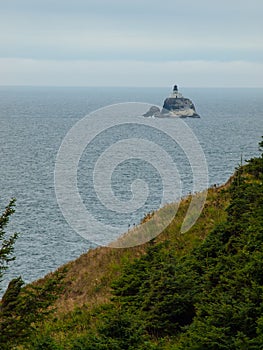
175 93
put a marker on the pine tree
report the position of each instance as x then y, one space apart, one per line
6 241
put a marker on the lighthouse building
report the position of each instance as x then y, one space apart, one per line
175 93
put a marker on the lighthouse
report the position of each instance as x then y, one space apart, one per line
175 93
174 106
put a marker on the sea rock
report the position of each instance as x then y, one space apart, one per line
179 107
174 106
152 112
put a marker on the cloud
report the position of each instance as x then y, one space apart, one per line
201 7
73 38
136 34
130 73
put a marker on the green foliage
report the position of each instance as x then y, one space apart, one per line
158 288
6 241
119 330
230 308
255 164
207 297
21 308
9 299
211 298
44 342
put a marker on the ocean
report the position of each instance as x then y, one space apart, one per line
33 124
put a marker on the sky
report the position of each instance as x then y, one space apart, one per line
195 43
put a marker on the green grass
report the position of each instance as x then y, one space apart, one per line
195 290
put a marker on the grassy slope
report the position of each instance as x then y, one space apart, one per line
212 272
89 277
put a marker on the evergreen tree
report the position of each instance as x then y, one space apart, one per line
6 241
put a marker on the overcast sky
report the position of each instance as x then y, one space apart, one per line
131 43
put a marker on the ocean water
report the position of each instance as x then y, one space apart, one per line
33 123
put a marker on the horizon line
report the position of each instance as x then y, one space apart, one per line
130 86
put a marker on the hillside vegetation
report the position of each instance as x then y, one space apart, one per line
198 290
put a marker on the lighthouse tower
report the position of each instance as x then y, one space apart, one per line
175 93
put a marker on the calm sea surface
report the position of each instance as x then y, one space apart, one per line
33 123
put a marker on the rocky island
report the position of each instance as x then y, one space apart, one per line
174 106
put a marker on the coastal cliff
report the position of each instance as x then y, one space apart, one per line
179 291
